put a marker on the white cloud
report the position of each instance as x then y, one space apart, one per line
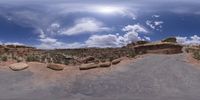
132 33
48 40
102 41
111 40
150 24
193 40
134 29
147 38
85 26
156 25
181 40
13 43
52 43
54 29
156 16
98 8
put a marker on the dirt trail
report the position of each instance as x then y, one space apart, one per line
154 77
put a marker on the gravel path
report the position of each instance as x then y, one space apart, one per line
154 77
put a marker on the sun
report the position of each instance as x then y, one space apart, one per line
108 9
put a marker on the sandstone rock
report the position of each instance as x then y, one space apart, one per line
159 48
88 66
116 61
18 66
105 64
56 67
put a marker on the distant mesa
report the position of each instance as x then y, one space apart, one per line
170 39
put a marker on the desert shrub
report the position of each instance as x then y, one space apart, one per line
67 62
131 54
141 42
4 58
171 39
187 50
197 55
111 58
32 58
6 49
18 59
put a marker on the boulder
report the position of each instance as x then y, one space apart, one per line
18 66
105 64
88 66
116 61
56 67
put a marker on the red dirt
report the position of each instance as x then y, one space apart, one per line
192 60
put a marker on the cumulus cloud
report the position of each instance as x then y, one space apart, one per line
111 40
193 40
54 28
52 43
85 26
132 34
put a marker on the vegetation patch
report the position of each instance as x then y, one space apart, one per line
196 55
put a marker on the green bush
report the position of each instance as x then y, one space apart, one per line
171 39
4 58
141 42
131 53
31 58
197 55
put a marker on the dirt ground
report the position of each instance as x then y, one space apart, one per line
148 77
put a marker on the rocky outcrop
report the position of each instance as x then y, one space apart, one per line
159 48
18 66
170 39
56 67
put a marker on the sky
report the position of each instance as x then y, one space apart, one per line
50 24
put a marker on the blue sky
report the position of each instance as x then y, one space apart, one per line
52 24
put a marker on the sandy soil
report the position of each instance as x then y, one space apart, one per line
192 60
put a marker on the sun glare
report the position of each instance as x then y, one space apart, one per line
108 10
